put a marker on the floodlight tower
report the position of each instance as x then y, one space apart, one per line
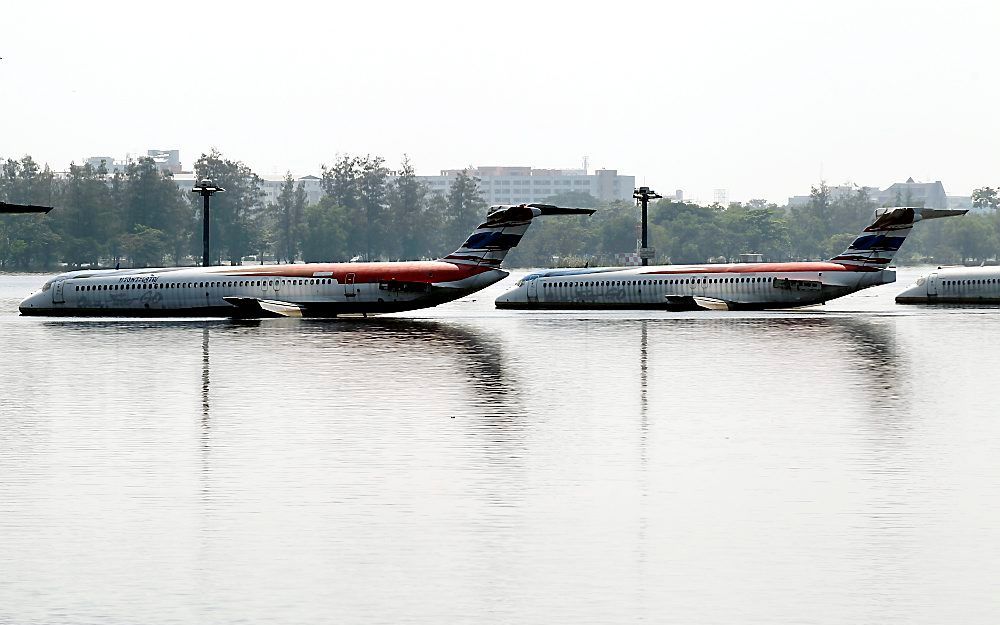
642 197
206 188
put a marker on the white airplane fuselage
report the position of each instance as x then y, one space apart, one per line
954 285
319 289
742 286
691 287
306 290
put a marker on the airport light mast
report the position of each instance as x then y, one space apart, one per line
206 188
642 197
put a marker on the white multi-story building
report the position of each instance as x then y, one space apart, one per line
166 160
270 186
514 185
497 185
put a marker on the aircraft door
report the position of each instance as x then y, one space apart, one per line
57 292
263 286
277 286
932 285
532 290
350 290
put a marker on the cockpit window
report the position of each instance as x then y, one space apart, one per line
47 285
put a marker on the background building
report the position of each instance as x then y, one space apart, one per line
514 185
928 194
167 160
497 184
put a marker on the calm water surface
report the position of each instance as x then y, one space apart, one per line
469 465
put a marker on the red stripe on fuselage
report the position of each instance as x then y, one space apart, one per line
763 268
415 271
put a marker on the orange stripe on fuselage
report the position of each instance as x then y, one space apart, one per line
415 271
762 268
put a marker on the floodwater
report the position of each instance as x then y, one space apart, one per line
468 465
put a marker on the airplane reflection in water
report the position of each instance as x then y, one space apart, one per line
295 290
480 358
743 286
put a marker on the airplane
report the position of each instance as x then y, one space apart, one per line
740 286
954 285
294 290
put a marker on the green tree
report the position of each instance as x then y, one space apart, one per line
411 228
985 197
324 238
372 197
145 246
86 219
149 199
287 217
238 214
762 230
466 209
27 241
972 237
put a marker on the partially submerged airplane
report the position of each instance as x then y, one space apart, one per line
955 285
303 290
742 286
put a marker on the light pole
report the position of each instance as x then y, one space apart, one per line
642 197
206 188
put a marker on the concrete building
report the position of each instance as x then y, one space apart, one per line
514 185
928 194
836 192
498 185
931 194
271 186
166 160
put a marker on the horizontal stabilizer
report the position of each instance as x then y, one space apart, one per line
23 208
253 307
550 209
937 213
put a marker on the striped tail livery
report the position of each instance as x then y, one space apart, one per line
879 242
505 225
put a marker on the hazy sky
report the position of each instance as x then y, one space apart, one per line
761 98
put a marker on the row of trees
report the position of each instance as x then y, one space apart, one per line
688 233
138 217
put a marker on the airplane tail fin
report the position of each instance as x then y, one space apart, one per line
502 230
879 242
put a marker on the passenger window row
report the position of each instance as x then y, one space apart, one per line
199 285
754 279
970 282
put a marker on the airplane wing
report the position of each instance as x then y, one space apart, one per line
253 307
711 303
695 302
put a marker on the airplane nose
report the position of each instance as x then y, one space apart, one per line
28 304
915 293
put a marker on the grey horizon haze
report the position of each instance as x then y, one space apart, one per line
760 98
